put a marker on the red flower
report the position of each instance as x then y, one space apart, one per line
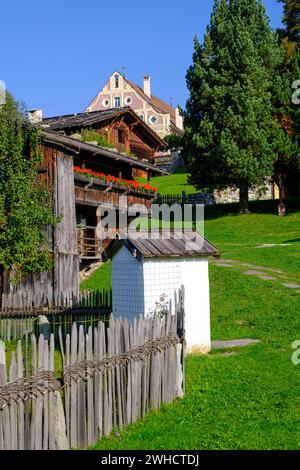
129 184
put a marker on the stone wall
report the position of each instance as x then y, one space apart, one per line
232 195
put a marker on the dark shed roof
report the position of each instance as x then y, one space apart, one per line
87 119
163 244
69 121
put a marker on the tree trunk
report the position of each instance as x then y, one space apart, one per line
244 199
281 195
281 208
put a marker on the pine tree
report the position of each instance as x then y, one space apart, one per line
230 131
287 113
291 20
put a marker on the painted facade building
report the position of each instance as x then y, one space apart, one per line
119 92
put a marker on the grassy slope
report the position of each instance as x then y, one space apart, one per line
237 237
100 279
172 184
249 400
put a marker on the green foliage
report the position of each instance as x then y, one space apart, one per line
286 112
173 141
231 137
90 135
291 20
25 205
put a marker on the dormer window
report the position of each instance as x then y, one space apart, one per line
117 82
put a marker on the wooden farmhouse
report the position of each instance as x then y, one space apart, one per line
84 179
120 128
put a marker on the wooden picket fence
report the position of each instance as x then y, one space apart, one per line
87 309
12 329
111 376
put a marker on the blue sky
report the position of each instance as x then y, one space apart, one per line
56 55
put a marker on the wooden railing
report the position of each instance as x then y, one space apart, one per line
93 192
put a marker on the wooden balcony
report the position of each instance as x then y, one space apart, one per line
94 192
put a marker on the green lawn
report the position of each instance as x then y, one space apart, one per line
172 184
238 237
99 280
249 398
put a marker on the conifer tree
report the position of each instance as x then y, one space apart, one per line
291 20
230 131
286 111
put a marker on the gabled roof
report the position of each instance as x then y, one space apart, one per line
162 244
87 119
157 104
160 106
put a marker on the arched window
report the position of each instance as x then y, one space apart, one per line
116 81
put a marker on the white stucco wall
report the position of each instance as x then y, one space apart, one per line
137 287
166 277
195 278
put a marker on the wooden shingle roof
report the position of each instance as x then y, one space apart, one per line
163 244
87 119
70 121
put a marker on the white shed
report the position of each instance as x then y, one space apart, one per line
148 270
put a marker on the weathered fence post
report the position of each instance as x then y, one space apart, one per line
58 423
2 363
